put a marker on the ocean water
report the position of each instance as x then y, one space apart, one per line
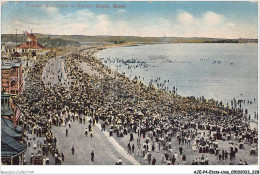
219 71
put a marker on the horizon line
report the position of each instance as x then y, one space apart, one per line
131 36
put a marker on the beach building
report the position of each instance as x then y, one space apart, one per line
9 109
16 56
12 76
27 50
11 84
7 50
6 110
31 44
12 149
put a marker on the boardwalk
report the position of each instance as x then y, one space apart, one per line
54 71
107 150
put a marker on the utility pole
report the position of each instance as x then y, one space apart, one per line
23 36
16 38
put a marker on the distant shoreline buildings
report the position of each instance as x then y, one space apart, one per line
30 45
28 48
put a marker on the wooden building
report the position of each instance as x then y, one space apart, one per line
31 45
12 148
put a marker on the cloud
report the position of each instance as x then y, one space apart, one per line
103 24
208 18
184 17
121 11
231 24
51 11
208 24
212 18
86 22
84 14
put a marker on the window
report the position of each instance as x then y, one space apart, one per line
12 83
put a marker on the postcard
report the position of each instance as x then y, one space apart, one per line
146 83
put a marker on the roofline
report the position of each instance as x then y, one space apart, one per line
9 155
2 68
10 65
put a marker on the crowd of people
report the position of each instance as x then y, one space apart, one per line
156 119
38 113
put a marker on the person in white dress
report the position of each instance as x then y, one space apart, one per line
156 147
176 155
194 147
163 159
34 145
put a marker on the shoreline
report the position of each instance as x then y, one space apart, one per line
253 123
119 74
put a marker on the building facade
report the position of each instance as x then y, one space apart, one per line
31 44
12 147
12 77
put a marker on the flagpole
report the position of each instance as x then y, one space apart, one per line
16 38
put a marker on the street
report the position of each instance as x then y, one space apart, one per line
54 73
107 151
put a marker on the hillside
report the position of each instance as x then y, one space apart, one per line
72 40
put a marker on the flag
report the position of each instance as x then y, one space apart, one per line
17 113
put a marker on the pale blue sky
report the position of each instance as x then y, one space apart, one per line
187 19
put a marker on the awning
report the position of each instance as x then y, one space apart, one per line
7 127
6 112
9 146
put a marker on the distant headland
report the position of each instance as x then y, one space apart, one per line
73 40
